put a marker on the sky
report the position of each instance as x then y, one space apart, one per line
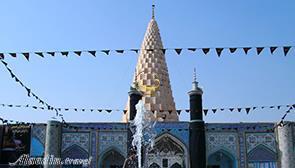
233 80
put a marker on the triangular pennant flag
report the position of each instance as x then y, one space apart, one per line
254 108
40 54
169 111
99 110
259 50
107 52
232 50
4 63
120 51
92 53
192 49
205 50
29 91
219 51
1 56
272 49
178 50
108 111
13 54
135 50
78 53
178 112
278 107
246 49
286 50
239 109
51 53
247 110
271 107
124 111
26 55
205 111
231 109
222 109
293 105
187 110
64 53
164 51
214 110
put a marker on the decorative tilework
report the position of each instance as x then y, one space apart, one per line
255 139
109 139
39 132
80 139
225 140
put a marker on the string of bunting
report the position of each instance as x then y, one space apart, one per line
214 110
178 51
29 91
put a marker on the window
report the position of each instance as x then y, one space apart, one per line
165 163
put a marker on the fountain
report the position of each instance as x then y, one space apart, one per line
143 131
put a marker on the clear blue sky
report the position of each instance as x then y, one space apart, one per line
103 82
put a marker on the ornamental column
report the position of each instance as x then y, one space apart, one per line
197 139
53 144
285 138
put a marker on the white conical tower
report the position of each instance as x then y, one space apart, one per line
152 65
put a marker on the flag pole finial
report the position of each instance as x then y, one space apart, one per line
153 11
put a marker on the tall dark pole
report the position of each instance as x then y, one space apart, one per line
134 97
197 139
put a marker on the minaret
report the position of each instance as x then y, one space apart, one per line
197 141
151 66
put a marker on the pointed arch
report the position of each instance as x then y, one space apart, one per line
154 165
222 158
176 165
262 155
168 147
75 152
111 156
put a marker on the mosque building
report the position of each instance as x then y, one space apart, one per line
178 144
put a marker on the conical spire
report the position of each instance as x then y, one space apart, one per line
152 65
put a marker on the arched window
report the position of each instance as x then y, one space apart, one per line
176 165
167 151
262 157
221 159
154 165
74 152
112 159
